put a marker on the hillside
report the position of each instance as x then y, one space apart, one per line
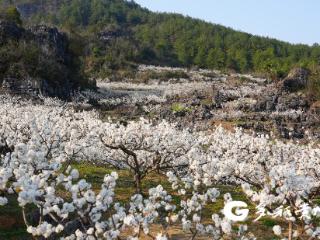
38 60
116 34
218 139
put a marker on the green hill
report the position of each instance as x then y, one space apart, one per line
116 34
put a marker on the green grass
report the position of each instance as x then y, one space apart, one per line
11 223
14 234
268 222
179 108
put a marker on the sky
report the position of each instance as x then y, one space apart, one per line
295 21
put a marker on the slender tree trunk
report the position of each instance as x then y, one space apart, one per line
137 181
290 231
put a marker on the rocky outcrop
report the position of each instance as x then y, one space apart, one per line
51 41
296 79
9 30
109 34
292 101
315 108
267 102
275 100
220 97
279 108
37 61
28 9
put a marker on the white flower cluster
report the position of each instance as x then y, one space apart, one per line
37 148
280 178
37 144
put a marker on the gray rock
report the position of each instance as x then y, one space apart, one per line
9 31
51 41
296 79
221 97
53 56
287 101
109 34
71 227
267 101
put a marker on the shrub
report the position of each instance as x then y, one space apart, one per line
179 108
12 14
313 88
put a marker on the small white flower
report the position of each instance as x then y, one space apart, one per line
277 230
3 201
74 174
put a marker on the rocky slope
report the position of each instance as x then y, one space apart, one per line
37 60
201 99
282 108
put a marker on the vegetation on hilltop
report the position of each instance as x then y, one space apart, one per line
119 33
112 36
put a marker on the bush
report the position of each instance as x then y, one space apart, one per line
313 88
12 14
179 108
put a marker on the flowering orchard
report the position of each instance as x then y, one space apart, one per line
39 143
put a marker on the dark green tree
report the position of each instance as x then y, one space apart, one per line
12 14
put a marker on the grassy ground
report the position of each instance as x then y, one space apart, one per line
12 227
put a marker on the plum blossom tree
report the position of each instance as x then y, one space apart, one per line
279 178
39 142
144 147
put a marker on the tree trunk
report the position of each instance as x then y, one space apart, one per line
137 182
290 231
